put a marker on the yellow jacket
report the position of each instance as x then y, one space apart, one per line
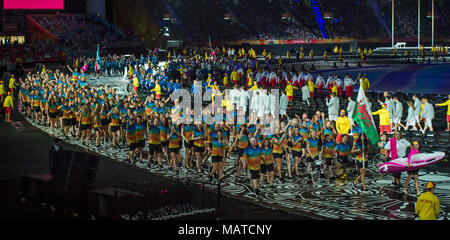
250 80
227 104
334 89
225 80
157 89
8 102
343 125
11 83
365 84
427 206
311 86
2 90
447 103
290 90
384 116
234 76
135 82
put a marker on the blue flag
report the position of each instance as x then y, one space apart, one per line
99 60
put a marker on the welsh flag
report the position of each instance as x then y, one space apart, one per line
364 118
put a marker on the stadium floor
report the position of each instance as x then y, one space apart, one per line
306 197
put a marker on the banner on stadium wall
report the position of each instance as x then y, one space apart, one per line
308 41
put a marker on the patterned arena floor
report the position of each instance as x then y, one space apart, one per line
312 196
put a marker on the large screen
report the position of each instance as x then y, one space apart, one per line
33 4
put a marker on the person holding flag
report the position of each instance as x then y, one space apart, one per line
98 60
363 118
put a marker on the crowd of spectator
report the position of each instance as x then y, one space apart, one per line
265 18
204 19
351 19
76 33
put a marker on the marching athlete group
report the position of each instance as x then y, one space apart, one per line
97 115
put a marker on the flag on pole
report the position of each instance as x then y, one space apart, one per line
363 117
99 60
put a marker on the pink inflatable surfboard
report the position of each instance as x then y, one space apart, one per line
417 161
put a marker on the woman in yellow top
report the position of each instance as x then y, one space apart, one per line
343 124
365 81
447 103
311 87
157 90
311 54
225 80
130 71
384 119
249 79
234 77
334 88
8 106
135 84
12 84
255 86
2 91
290 91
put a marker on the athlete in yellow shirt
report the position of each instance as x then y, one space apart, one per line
447 103
427 206
290 91
384 119
157 90
8 106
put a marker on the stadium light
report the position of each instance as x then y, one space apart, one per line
392 23
418 24
432 23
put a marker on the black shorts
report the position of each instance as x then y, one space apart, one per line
277 155
266 168
52 114
216 159
199 149
165 143
132 146
67 121
97 129
303 144
188 144
141 144
296 154
328 161
36 109
154 148
310 159
254 174
174 150
85 126
240 152
115 128
104 122
344 160
413 172
361 164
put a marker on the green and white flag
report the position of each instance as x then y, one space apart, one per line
363 117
